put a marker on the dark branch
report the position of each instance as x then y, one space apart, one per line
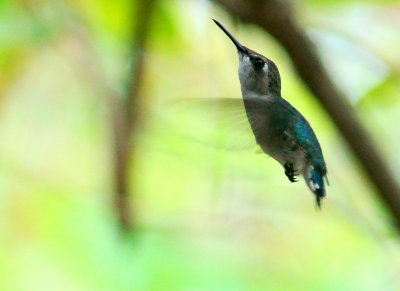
126 116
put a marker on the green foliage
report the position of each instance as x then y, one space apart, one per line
386 93
348 3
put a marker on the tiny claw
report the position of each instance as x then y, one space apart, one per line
290 172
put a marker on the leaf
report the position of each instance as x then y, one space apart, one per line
386 93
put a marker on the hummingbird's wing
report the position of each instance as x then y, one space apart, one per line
216 122
303 135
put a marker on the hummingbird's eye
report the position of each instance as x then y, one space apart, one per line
258 63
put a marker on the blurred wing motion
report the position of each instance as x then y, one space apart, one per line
217 122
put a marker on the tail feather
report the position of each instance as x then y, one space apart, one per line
314 177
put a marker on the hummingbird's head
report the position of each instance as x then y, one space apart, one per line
258 75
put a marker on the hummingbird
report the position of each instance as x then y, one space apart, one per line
279 129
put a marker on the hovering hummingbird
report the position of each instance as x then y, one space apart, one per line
280 130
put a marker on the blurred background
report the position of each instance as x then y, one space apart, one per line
118 171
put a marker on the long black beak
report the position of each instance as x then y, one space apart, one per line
239 47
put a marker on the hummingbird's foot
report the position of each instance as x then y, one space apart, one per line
290 172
